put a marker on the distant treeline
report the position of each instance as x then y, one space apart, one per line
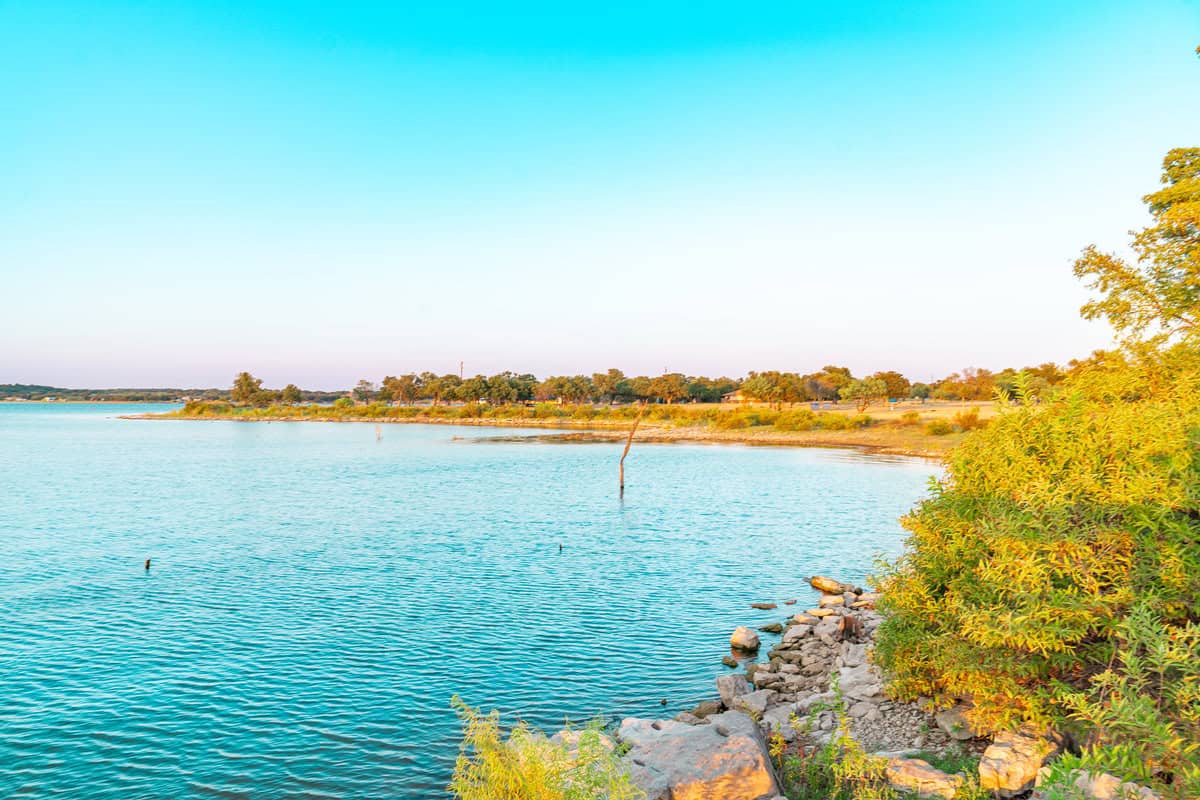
30 391
831 383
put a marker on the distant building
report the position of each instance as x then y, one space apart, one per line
736 396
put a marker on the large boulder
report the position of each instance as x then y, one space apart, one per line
1010 764
731 686
743 639
725 759
915 775
828 585
862 682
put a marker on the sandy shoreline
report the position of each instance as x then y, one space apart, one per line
881 440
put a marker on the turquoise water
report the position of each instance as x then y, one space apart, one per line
317 596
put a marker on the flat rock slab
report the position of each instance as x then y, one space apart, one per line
724 760
915 775
1010 764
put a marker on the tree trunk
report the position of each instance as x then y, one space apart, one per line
628 443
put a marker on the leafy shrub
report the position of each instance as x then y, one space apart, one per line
969 420
470 411
343 402
910 418
860 421
938 427
733 421
528 766
833 422
548 410
1143 710
1056 531
800 419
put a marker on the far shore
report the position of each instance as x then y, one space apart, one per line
881 439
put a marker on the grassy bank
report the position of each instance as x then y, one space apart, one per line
915 431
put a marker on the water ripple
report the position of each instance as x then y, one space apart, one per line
316 597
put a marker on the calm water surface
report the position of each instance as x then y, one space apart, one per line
318 596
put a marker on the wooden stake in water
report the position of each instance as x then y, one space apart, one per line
628 442
378 433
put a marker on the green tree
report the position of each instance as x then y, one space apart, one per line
919 391
502 389
824 385
709 390
639 387
245 387
1159 295
774 387
864 392
1055 570
472 390
669 388
608 384
290 394
440 387
404 389
897 384
364 390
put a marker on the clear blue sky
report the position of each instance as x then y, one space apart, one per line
322 192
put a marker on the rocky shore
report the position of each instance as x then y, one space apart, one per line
821 664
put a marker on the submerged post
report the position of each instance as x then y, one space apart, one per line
628 442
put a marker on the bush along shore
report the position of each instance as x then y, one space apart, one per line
919 431
812 720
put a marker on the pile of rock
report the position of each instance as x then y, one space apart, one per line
818 646
719 748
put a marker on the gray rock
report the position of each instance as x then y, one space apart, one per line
755 703
796 633
726 759
957 725
778 719
730 686
826 629
860 683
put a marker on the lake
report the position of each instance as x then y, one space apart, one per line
316 596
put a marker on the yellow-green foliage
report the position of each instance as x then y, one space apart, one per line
841 769
528 766
969 420
682 415
1052 525
938 427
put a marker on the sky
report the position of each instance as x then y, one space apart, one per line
322 192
